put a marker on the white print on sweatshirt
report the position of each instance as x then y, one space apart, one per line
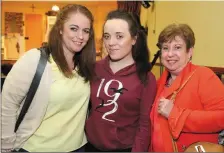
113 101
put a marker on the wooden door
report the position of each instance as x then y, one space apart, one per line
33 31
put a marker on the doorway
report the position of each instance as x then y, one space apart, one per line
33 31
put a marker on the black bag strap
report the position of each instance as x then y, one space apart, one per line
33 87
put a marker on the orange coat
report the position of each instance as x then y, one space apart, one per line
198 112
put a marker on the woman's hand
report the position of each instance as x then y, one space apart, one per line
165 106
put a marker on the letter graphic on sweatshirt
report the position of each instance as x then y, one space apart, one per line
115 96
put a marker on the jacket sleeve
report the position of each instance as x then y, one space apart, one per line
211 119
142 138
15 88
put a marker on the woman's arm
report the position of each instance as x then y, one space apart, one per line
142 139
15 88
211 119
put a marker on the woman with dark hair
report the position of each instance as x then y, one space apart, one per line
123 93
55 120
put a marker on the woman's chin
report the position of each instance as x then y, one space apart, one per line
171 68
114 58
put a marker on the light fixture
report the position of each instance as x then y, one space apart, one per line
55 8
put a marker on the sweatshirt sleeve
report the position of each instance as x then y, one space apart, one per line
15 88
142 138
211 119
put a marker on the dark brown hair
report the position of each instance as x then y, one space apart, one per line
83 60
182 30
140 51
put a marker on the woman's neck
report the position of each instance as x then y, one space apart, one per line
69 58
173 76
175 73
118 65
170 79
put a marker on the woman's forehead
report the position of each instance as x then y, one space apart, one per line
175 39
116 25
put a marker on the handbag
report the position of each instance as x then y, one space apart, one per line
33 87
205 147
197 146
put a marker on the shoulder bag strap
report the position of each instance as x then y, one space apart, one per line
181 87
175 149
33 87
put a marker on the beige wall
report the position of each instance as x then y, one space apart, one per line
206 19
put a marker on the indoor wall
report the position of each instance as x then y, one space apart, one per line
204 17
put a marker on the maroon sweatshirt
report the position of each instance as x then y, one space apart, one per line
119 117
